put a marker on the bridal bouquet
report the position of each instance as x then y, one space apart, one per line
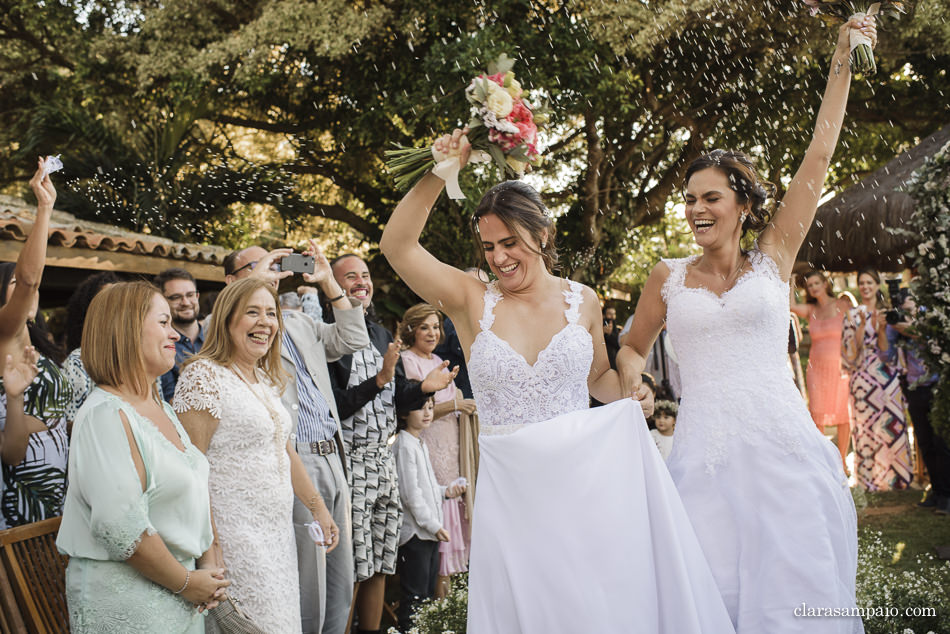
503 129
837 11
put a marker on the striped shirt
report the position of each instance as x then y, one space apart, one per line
314 420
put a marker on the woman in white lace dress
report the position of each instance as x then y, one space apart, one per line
577 525
764 489
228 399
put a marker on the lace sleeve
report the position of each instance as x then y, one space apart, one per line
673 281
102 468
198 389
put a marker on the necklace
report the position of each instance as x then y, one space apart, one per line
275 417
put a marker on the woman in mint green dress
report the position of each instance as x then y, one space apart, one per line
137 520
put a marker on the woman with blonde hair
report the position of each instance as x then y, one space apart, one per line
825 378
228 398
420 332
137 516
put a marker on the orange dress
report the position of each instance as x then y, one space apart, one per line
826 381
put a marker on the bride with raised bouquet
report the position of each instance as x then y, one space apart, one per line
764 489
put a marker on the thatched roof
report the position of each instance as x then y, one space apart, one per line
850 230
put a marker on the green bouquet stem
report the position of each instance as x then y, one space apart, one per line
862 60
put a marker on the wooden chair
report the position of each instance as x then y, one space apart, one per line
37 573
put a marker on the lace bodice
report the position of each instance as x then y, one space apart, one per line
509 391
733 356
251 494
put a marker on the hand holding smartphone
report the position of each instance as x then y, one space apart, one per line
297 263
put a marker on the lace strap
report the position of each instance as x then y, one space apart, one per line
574 298
674 281
492 296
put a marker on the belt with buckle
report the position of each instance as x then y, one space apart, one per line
323 447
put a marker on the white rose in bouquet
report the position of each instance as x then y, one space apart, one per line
499 100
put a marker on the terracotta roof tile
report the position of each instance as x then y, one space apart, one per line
16 220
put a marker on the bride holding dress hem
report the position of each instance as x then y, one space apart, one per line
578 525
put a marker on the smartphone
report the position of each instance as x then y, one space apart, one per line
297 262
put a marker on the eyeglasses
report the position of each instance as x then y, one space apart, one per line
250 265
174 299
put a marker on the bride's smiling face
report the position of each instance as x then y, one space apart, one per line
509 254
712 208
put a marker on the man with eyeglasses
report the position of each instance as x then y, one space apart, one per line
180 291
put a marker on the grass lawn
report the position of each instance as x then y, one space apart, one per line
914 532
899 568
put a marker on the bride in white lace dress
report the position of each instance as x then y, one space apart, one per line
765 490
577 524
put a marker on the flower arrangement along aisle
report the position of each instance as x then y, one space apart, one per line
930 189
503 130
837 11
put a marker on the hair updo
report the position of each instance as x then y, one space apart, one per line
519 206
744 181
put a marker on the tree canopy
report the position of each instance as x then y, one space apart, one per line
176 117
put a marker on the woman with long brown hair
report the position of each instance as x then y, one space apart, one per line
882 453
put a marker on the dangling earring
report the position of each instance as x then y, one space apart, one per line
543 244
743 217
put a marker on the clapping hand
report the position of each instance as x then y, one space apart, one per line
17 376
439 378
388 371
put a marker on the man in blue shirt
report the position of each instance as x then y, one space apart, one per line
180 291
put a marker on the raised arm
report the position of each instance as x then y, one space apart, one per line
647 323
435 282
32 258
784 236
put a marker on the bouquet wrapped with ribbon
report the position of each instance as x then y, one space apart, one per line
836 11
502 130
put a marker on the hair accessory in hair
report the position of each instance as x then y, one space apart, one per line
665 407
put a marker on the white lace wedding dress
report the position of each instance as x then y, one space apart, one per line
251 495
577 524
764 489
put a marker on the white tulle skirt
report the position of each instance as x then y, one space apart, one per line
579 528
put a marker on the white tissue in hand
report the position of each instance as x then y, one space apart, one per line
51 164
459 482
316 532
